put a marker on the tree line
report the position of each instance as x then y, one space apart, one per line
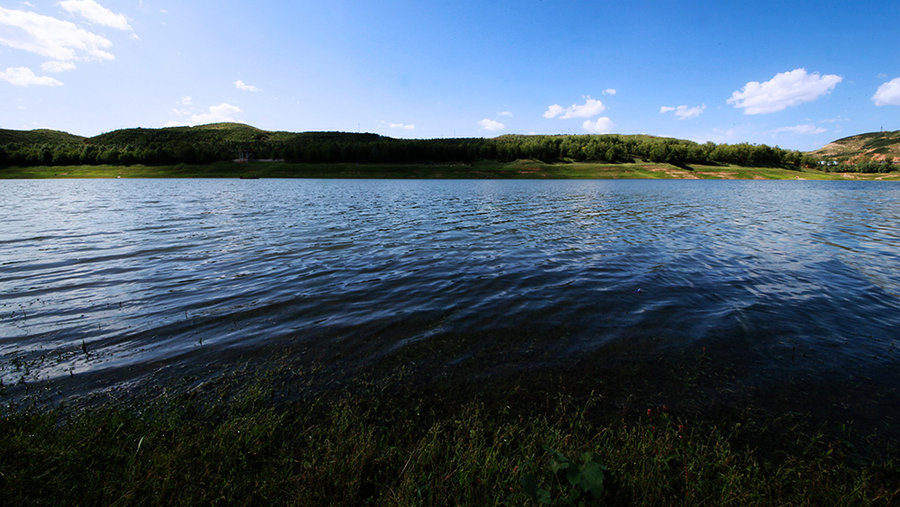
370 148
867 166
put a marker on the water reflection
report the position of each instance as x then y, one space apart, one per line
150 272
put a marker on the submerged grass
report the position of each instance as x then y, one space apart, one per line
519 169
276 440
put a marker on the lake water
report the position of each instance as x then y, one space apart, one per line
110 282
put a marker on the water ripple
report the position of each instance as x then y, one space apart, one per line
116 277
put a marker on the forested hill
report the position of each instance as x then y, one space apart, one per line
231 141
218 133
871 147
40 136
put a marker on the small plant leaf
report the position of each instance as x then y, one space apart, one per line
558 462
592 476
535 492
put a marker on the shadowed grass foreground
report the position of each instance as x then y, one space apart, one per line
277 440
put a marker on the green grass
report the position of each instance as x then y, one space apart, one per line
272 439
520 169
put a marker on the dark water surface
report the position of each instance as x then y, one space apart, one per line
105 282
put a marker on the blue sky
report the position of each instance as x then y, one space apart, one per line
793 74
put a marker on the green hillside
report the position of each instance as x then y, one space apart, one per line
216 133
40 136
871 147
227 142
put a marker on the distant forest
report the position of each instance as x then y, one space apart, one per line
225 142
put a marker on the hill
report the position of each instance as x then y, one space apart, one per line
216 133
39 136
220 142
874 146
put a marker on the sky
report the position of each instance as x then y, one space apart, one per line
794 74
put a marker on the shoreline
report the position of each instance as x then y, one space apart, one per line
520 169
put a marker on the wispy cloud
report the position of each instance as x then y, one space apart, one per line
888 94
215 114
684 112
784 90
803 130
590 108
602 125
404 126
23 76
54 66
505 113
96 13
61 41
240 85
491 125
609 91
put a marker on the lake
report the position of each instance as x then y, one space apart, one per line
788 291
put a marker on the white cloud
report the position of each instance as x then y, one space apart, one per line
96 13
23 76
217 114
59 40
55 66
404 126
784 90
803 130
240 85
491 125
505 113
591 107
554 111
888 94
684 112
609 91
602 125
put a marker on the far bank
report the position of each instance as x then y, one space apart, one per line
519 169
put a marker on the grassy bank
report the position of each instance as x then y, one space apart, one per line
520 169
276 440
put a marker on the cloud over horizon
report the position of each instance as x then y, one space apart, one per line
803 130
602 125
684 112
491 125
785 89
221 113
888 94
590 108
